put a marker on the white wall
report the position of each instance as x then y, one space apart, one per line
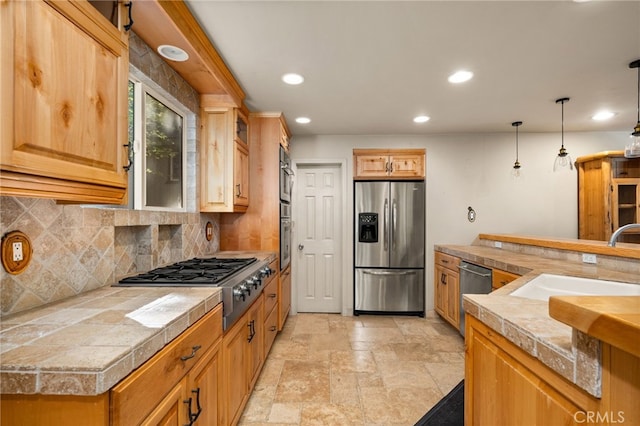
474 170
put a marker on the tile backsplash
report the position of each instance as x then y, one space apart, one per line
79 248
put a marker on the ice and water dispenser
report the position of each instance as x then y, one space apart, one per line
368 227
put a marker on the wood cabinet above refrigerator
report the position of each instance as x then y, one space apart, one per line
63 110
388 164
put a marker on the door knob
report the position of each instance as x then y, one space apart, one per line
300 246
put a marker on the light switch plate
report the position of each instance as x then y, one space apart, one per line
497 244
589 258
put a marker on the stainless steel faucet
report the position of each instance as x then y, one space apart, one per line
615 235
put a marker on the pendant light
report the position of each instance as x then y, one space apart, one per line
632 150
516 171
563 159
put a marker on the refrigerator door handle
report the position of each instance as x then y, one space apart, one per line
387 273
394 225
385 219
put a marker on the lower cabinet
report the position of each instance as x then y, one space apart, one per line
178 385
285 297
242 354
447 287
500 278
504 385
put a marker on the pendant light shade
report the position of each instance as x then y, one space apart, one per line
516 171
563 159
632 150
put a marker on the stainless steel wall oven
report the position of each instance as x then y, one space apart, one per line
285 235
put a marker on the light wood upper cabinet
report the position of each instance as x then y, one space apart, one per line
389 164
63 109
447 287
608 195
224 160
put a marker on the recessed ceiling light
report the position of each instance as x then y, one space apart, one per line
460 76
172 53
421 119
303 120
603 115
292 78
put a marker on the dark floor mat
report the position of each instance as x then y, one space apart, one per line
449 411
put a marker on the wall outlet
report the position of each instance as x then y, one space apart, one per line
497 244
589 258
17 252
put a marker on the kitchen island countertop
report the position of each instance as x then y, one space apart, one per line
566 349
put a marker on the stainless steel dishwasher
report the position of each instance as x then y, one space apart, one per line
474 279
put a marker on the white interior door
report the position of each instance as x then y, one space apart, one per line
317 242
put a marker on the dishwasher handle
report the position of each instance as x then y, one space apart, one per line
465 267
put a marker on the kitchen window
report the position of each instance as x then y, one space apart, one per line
157 133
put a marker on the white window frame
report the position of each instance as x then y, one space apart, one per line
139 146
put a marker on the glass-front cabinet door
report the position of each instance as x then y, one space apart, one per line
626 194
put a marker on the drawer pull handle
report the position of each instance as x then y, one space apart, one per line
194 349
273 328
272 295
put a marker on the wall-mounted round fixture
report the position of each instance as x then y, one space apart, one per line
471 214
303 120
421 119
632 150
563 159
516 171
460 76
293 79
172 53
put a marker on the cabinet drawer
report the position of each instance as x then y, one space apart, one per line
500 278
270 295
447 261
138 394
270 330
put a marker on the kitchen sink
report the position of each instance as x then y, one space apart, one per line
546 285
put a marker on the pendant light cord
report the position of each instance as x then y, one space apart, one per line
562 135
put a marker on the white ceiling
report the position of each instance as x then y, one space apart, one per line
371 66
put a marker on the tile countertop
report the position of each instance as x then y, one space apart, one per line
86 344
568 351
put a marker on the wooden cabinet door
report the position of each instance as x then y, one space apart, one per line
371 166
406 166
447 287
241 175
170 411
203 387
235 372
500 389
626 207
63 109
224 162
500 278
284 304
440 289
255 346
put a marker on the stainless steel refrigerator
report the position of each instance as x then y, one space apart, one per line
389 247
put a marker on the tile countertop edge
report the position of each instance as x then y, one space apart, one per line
570 352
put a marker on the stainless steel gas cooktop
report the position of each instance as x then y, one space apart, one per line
240 280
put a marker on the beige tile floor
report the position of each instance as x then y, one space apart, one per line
327 369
